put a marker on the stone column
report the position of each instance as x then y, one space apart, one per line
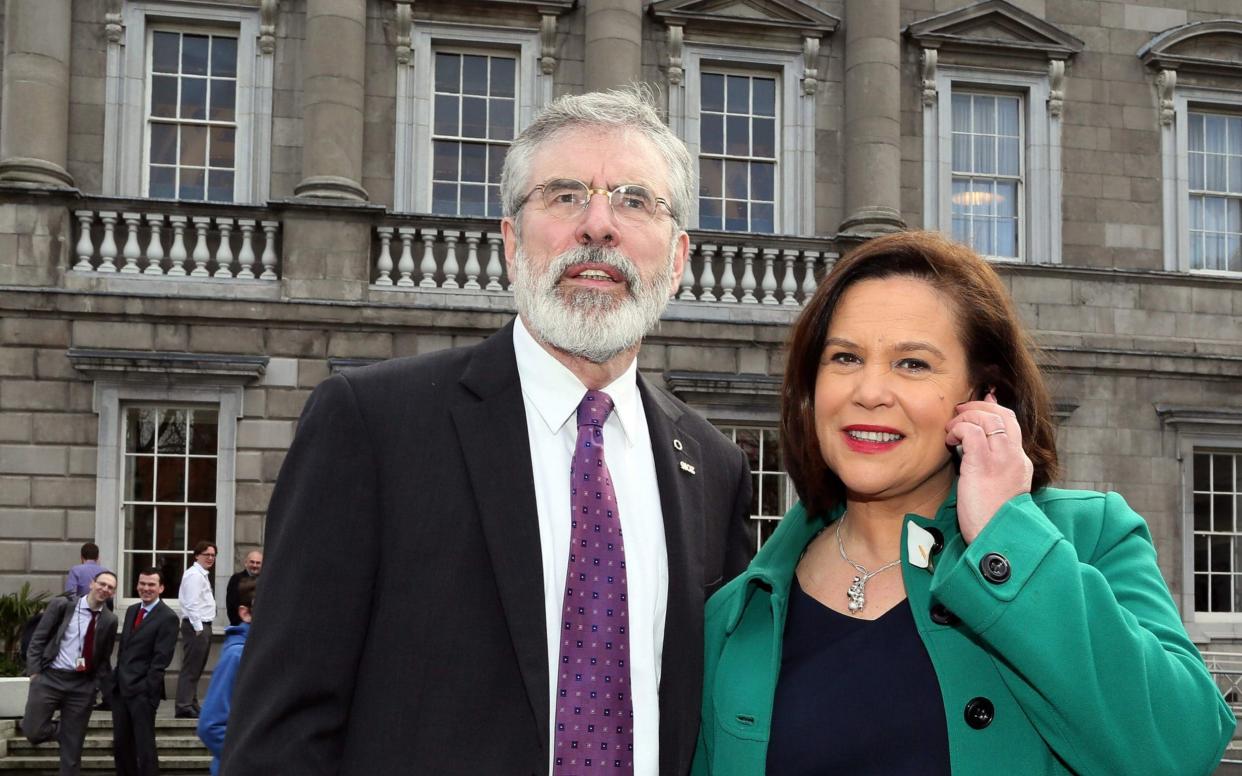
872 117
333 67
614 43
34 121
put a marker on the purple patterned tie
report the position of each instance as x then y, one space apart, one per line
594 713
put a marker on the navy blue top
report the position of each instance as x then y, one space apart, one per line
855 696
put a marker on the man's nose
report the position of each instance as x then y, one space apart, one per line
596 225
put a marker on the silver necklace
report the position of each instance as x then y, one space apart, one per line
857 594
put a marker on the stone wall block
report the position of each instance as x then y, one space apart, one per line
34 331
33 459
17 362
16 427
66 428
33 395
281 372
1106 293
83 460
248 466
53 556
286 404
14 556
172 337
265 434
1041 289
80 524
301 343
702 359
54 365
311 372
62 491
113 334
253 496
245 340
360 344
272 461
32 523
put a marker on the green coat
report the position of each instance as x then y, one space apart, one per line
1080 650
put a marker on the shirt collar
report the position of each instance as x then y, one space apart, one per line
555 392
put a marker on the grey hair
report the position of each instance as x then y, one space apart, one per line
628 108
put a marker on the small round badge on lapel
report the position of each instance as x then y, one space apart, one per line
677 444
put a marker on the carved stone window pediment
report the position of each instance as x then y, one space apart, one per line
994 26
1213 47
794 15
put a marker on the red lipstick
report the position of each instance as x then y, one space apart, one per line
871 439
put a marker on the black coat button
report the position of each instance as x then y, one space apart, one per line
941 615
995 567
937 540
979 713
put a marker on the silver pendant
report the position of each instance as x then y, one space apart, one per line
856 594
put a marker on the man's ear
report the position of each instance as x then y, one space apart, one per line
508 232
681 254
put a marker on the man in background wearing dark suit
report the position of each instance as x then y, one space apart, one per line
148 640
250 570
477 609
71 649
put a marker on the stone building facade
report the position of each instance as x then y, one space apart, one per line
208 206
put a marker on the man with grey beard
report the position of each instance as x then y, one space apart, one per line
510 544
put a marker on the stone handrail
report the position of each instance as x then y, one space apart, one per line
174 239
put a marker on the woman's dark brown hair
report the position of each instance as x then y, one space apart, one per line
998 348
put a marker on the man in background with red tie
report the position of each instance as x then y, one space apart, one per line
148 640
70 649
509 545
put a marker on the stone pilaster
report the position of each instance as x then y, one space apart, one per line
34 122
333 66
872 118
614 43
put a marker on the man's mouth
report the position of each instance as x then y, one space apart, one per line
595 273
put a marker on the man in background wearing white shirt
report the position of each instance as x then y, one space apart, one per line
198 609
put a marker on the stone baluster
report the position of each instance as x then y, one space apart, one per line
155 245
200 254
178 253
245 257
450 260
494 267
687 277
808 279
86 246
748 274
131 252
789 288
428 264
406 264
769 276
224 251
383 264
728 279
707 279
107 248
472 259
269 250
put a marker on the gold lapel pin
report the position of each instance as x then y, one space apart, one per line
685 467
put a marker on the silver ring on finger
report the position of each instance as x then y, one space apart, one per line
995 432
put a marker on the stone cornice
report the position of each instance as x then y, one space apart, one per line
721 389
793 15
1186 415
994 26
144 365
1189 47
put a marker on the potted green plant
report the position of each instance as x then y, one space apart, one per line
15 610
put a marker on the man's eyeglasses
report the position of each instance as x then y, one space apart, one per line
568 198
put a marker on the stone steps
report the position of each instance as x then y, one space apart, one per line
180 751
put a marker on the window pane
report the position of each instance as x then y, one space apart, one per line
222 146
771 459
170 528
194 146
500 120
446 115
762 218
985 114
764 96
162 183
1203 512
1214 134
738 94
985 155
1009 156
1201 592
1195 136
202 524
762 180
1007 238
1006 199
981 236
1222 473
737 136
444 198
736 216
494 207
444 160
1202 471
1195 163
193 184
1221 553
223 99
140 527
961 152
193 98
163 96
165 51
1222 512
139 430
765 137
224 56
961 112
473 162
710 214
220 185
503 76
448 72
1220 592
473 200
473 117
203 425
1007 116
163 144
194 54
1215 169
735 179
495 162
711 130
710 180
712 96
473 75
202 483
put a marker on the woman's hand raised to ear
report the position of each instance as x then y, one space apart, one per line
994 466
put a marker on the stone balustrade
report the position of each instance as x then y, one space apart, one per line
729 269
149 238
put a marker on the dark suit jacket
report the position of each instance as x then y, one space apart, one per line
232 599
401 627
45 643
146 652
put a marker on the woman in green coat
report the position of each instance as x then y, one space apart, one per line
931 606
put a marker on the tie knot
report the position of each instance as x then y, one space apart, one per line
594 409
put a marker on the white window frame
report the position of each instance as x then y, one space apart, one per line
789 494
1039 222
1175 160
1021 177
126 97
415 82
795 169
110 399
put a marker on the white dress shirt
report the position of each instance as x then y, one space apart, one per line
72 644
551 394
198 603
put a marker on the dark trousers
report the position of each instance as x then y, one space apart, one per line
194 649
74 694
133 735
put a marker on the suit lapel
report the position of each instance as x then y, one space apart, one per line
495 443
677 456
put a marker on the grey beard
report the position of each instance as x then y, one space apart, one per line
592 325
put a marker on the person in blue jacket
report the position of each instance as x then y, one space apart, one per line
213 721
933 606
